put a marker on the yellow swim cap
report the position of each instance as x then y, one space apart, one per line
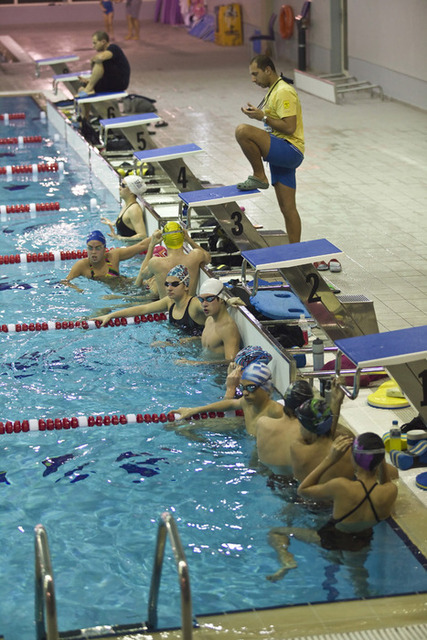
173 236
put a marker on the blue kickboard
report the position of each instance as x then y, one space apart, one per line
288 255
391 347
139 117
175 151
217 193
279 305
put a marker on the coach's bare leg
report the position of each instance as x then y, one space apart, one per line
255 144
286 199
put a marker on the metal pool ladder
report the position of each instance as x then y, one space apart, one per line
45 605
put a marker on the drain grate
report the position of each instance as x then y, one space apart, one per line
413 632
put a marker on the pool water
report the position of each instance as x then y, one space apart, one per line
99 491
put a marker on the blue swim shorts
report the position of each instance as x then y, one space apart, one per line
283 159
108 6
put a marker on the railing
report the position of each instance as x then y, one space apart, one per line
44 589
168 526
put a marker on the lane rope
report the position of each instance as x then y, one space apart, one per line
41 167
50 325
57 424
33 207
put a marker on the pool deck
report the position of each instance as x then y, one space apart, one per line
361 186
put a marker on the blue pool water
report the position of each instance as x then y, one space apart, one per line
99 491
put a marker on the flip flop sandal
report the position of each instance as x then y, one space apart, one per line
162 123
335 265
251 183
321 266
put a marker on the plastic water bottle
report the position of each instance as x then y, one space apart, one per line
303 325
318 354
395 436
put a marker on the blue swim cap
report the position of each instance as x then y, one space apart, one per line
260 374
96 235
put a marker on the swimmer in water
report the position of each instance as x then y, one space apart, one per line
100 264
130 225
185 310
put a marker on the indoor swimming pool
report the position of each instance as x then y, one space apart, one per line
99 491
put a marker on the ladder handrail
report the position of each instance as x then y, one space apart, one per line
168 526
44 588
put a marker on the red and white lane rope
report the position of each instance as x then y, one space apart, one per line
57 424
34 327
41 167
46 256
29 208
5 117
20 140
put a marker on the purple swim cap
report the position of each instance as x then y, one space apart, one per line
368 451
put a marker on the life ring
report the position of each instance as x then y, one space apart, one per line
286 21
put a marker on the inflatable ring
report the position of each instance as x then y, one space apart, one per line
286 21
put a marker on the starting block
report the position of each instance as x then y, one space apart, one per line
403 353
167 153
133 127
71 80
105 104
287 255
211 197
58 64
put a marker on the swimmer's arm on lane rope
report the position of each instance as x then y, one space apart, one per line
229 404
144 271
129 312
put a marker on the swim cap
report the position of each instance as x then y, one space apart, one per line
173 235
135 184
315 416
212 287
297 393
96 235
368 450
250 354
180 271
159 251
258 373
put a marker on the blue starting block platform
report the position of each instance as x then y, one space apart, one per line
389 348
216 195
54 62
100 97
69 77
167 153
291 255
42 62
403 353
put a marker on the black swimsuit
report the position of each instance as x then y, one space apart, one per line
121 226
333 538
186 322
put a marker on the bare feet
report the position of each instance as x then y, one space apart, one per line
278 575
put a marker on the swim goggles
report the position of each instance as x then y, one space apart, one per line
173 284
250 388
206 299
